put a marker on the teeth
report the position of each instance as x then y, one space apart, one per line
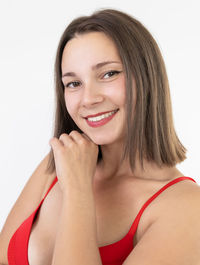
103 116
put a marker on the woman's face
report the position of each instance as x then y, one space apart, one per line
92 86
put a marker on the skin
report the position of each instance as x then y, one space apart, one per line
94 92
76 166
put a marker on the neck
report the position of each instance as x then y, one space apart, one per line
110 169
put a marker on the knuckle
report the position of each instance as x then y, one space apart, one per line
62 135
73 132
52 140
82 141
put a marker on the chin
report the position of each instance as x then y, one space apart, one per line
102 140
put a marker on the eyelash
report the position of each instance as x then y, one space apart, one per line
115 72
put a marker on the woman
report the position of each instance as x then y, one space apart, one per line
114 152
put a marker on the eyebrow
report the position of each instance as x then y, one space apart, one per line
94 67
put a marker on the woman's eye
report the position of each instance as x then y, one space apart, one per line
76 83
111 73
68 85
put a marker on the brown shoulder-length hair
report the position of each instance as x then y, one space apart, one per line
150 132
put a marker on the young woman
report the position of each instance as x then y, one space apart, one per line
109 191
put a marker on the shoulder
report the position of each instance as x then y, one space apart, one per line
181 192
178 198
175 230
179 208
171 201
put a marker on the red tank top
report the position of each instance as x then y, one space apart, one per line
113 254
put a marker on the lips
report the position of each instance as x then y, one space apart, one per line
101 122
100 113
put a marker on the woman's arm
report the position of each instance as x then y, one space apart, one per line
76 241
28 200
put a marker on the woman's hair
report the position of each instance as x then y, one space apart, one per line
150 132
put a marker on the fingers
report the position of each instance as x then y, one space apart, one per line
63 140
55 143
79 137
67 140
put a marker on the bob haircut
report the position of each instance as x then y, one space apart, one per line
150 132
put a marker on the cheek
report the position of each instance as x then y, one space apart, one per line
71 104
118 92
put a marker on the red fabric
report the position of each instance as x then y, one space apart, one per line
113 254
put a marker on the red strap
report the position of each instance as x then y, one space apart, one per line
137 219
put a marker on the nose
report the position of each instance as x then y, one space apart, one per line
91 94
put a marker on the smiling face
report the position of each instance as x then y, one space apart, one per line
93 86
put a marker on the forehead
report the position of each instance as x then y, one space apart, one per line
89 47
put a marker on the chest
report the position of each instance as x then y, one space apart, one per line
116 209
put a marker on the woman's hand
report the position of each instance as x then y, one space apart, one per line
75 158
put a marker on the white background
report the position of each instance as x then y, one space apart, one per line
29 35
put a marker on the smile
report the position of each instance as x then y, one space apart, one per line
101 120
